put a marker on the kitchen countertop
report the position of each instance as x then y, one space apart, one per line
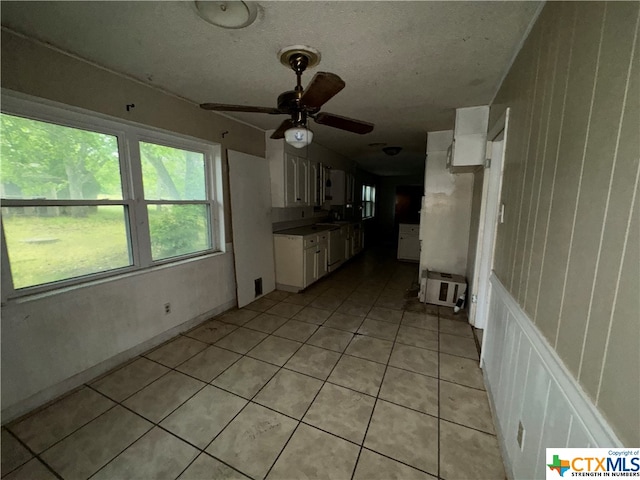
308 230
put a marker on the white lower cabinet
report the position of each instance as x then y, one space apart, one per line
300 260
310 266
323 255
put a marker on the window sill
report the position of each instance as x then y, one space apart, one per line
51 291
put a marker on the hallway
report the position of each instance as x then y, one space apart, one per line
353 378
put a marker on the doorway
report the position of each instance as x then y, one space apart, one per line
408 204
488 227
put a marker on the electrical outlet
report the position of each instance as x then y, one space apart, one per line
167 308
520 437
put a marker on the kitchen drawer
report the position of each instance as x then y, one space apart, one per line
310 241
323 238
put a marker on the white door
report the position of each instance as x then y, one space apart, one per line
489 222
251 221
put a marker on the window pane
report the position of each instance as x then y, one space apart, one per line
48 244
172 174
178 230
44 160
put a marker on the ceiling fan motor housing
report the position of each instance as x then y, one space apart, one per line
287 101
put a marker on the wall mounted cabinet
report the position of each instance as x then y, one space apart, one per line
289 173
469 139
342 187
317 183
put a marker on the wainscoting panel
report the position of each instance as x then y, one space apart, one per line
529 385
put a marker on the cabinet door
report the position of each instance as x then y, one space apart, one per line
338 187
314 179
408 247
323 256
302 180
290 180
350 188
310 265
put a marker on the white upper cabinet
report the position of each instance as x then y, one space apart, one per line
469 138
289 172
302 181
317 181
299 177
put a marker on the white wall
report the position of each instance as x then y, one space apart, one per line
49 339
568 248
446 212
56 341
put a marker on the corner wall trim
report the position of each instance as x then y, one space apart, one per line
529 384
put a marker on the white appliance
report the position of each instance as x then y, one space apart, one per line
336 248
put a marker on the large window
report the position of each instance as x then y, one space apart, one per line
368 201
84 197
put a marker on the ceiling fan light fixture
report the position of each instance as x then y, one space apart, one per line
298 137
227 14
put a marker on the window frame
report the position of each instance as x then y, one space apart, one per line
371 201
128 135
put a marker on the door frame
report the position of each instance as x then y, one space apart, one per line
489 219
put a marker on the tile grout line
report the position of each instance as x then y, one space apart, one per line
34 456
280 368
304 414
375 403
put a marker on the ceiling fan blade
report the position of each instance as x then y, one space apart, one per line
284 126
343 123
221 107
321 89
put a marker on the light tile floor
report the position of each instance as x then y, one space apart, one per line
352 379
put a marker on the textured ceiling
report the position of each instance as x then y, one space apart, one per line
407 65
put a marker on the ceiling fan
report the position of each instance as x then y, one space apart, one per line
301 104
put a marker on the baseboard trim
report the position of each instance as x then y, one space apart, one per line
52 393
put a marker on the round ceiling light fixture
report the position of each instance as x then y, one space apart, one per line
229 14
298 137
